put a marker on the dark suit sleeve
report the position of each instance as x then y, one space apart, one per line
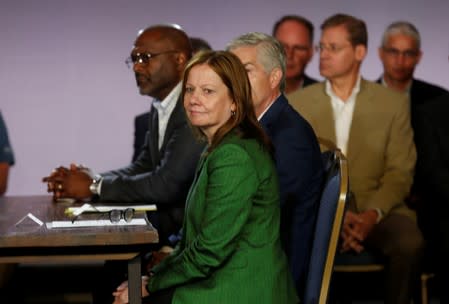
432 143
297 161
167 183
141 125
300 171
136 148
6 153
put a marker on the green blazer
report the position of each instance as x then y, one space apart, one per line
230 251
381 153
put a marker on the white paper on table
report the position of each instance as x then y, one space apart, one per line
95 223
97 208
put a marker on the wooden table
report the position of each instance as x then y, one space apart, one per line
29 242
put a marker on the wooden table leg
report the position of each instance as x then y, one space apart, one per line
134 281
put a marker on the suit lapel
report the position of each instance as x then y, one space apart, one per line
273 113
361 111
176 117
324 123
196 176
154 135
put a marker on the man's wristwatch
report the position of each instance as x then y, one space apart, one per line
94 187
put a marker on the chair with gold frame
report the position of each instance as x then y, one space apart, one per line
327 231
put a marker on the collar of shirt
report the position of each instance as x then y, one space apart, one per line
354 92
269 106
164 109
169 102
407 88
343 111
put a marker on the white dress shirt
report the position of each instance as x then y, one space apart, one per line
164 109
343 111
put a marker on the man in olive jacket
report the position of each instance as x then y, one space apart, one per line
371 125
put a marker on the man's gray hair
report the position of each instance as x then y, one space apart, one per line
270 53
404 28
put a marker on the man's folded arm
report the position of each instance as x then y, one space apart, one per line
166 183
400 159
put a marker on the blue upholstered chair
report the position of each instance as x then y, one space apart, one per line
328 226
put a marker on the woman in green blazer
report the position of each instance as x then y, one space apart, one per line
230 251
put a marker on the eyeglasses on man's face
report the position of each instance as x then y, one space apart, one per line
393 52
331 48
143 58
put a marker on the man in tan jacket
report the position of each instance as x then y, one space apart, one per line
371 125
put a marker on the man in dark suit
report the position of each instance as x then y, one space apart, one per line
142 121
297 153
295 33
432 142
400 53
163 171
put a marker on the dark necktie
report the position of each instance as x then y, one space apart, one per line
155 128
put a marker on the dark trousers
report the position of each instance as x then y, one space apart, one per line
167 222
442 267
115 272
400 240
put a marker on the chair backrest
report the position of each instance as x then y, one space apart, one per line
327 230
328 159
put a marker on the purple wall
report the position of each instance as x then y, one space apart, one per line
67 95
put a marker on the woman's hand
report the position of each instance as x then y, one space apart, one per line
121 295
